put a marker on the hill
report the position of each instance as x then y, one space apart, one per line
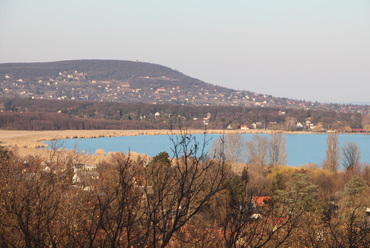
128 81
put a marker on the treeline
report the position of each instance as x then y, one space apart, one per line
158 115
190 200
98 69
55 121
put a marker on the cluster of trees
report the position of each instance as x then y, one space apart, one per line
60 121
221 117
193 199
265 152
261 151
349 155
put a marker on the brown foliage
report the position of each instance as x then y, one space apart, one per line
190 200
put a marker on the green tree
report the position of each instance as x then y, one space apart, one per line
236 188
299 194
162 158
356 187
3 153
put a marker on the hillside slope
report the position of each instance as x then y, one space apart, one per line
128 81
95 69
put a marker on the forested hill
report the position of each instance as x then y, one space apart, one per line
95 70
137 75
129 81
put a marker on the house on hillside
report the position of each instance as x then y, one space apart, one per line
299 126
258 205
160 90
257 125
260 201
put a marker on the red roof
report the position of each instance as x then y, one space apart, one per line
260 200
358 130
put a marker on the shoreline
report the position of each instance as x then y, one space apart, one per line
27 142
34 139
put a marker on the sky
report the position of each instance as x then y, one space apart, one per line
314 50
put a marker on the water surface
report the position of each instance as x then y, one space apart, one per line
301 148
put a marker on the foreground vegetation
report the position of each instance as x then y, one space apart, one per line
194 199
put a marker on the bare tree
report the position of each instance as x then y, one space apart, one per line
331 161
263 151
257 150
277 149
29 208
149 205
350 156
55 151
181 190
232 146
119 203
290 123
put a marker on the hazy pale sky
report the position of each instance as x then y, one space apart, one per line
315 50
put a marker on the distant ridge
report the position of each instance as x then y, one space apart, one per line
97 69
360 103
129 81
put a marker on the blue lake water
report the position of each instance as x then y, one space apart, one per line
302 148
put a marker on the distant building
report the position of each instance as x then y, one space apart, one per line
160 90
244 127
299 126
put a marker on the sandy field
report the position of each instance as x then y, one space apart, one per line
25 143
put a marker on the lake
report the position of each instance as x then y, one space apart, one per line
301 148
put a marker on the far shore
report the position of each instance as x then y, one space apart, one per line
27 142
